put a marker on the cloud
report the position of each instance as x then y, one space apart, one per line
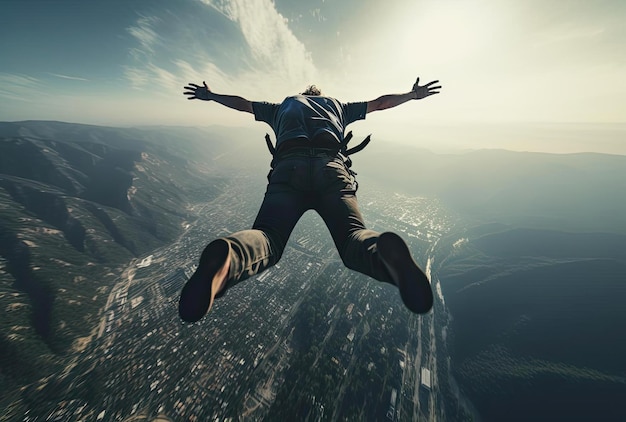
241 45
23 96
73 78
272 44
20 87
144 33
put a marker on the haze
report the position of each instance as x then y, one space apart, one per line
537 76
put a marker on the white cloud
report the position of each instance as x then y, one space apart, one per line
271 41
72 78
18 80
256 55
145 35
20 87
277 55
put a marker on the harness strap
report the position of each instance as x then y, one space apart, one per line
269 143
345 152
360 147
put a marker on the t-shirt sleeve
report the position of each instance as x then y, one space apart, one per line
264 111
354 111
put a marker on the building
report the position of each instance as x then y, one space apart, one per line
425 379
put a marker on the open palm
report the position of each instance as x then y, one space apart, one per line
197 92
425 90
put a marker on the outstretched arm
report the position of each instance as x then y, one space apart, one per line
197 92
391 100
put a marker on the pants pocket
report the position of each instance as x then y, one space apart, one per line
288 174
336 176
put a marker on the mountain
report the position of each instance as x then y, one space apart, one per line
572 192
77 202
536 322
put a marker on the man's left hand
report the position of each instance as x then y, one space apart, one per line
197 92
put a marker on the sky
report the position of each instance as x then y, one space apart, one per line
532 75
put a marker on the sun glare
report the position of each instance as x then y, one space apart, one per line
444 32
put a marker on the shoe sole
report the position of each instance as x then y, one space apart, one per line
198 294
414 286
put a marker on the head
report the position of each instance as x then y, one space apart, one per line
312 90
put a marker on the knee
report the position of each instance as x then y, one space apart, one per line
357 251
276 245
351 264
350 259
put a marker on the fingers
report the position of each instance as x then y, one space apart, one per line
428 85
192 90
430 91
426 90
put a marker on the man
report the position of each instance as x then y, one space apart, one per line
308 173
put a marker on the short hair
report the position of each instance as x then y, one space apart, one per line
312 90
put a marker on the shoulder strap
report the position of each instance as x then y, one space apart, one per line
270 145
359 147
344 145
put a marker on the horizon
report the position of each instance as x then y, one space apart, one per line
125 64
562 135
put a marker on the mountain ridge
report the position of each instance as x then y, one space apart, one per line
535 316
77 203
571 192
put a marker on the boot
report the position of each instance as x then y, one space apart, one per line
197 296
413 284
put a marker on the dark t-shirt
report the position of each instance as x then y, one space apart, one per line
305 117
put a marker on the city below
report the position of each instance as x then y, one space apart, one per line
307 339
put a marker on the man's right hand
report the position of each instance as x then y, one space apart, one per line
424 91
197 92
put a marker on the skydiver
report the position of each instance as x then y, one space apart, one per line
308 173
